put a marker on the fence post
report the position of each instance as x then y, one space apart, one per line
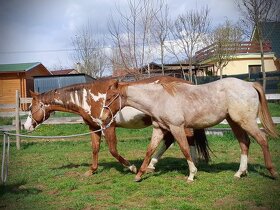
17 119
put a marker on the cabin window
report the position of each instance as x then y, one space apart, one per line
254 70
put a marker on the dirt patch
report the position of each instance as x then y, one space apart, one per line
226 202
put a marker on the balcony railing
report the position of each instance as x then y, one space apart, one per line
234 48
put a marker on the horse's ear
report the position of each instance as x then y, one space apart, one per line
33 94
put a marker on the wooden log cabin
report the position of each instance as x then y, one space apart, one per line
18 77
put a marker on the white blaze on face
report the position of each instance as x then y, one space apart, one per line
28 123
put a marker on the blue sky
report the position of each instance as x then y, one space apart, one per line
40 31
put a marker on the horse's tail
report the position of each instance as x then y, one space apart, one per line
264 114
201 144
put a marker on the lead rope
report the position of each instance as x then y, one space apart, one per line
5 158
108 107
6 152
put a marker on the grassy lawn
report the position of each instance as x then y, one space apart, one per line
49 175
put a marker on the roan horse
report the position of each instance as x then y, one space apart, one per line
87 100
175 106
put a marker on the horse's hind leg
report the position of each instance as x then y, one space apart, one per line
191 140
110 136
168 140
253 129
244 142
179 135
157 136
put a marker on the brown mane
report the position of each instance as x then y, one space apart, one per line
95 86
167 82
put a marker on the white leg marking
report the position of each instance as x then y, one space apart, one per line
133 169
243 166
157 156
153 163
193 171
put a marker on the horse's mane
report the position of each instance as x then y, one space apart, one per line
168 83
170 87
101 84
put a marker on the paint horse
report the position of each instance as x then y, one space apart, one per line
87 100
177 105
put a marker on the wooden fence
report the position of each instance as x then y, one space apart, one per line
16 113
231 48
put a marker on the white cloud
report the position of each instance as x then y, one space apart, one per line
49 24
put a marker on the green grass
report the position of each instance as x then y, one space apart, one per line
49 175
274 109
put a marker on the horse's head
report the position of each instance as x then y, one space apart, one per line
38 112
114 101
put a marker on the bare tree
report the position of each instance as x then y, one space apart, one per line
161 28
256 12
225 39
189 28
89 52
171 47
132 34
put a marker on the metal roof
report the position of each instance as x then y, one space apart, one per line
18 67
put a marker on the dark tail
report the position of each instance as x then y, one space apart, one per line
201 144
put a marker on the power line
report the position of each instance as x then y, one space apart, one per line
38 51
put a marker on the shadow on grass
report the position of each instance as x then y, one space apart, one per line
170 164
18 188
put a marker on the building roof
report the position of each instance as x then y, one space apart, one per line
18 67
64 71
271 31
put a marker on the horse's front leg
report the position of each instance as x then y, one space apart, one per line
95 144
110 136
155 140
179 134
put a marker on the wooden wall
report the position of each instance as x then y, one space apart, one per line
22 81
8 88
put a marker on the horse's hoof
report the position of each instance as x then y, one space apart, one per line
240 174
237 176
275 175
137 179
189 181
133 169
88 173
150 170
